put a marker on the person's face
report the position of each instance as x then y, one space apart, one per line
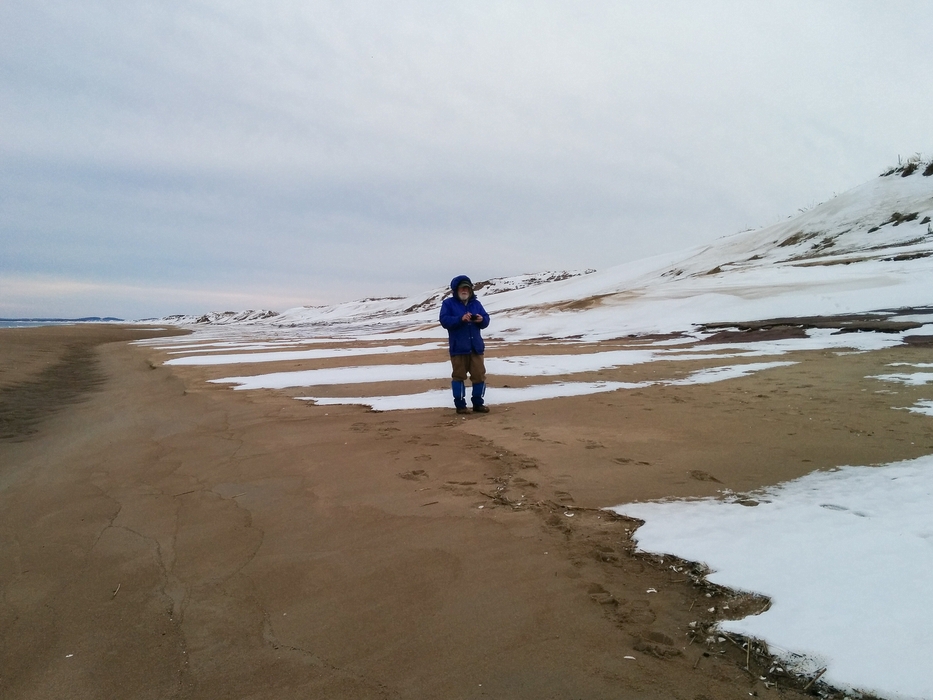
463 293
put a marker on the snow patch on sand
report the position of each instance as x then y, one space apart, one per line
846 557
291 355
442 398
910 379
923 407
718 374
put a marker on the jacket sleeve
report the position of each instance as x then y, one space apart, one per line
484 313
449 317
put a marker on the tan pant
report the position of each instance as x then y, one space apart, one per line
471 364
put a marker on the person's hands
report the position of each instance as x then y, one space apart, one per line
477 318
467 317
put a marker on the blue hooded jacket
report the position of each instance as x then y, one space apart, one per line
465 337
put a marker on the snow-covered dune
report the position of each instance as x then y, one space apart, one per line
868 249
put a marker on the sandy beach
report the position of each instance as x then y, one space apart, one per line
165 537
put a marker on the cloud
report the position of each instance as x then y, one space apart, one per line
337 151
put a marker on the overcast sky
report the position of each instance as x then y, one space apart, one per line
174 157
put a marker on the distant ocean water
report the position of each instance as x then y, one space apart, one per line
33 322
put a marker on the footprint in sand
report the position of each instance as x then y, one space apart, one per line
656 644
592 445
460 488
600 595
414 475
637 611
658 638
701 475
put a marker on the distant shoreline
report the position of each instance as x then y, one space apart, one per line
33 322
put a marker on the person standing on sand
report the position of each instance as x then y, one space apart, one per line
464 317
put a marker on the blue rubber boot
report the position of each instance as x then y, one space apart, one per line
459 391
479 390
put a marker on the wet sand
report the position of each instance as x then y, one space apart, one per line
161 537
